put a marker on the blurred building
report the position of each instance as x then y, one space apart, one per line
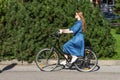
107 8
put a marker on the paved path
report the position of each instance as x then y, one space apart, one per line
14 67
107 70
105 66
31 72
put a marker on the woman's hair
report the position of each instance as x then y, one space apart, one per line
80 14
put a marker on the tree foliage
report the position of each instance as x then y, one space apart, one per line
25 26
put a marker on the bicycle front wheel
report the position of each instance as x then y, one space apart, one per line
88 62
47 59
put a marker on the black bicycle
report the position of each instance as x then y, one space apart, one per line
48 59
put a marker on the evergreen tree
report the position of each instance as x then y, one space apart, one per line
27 25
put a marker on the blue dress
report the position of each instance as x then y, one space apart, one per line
75 46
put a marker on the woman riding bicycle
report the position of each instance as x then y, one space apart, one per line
75 46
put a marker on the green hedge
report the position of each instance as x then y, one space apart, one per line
25 26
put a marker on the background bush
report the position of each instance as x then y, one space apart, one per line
25 26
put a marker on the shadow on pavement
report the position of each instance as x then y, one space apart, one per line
60 67
8 67
96 68
74 68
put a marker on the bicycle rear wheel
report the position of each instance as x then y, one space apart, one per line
88 62
47 59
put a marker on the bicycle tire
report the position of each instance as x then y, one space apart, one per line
47 59
88 62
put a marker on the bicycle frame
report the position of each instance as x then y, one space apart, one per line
56 47
85 64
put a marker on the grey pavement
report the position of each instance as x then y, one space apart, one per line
35 68
59 75
104 66
13 70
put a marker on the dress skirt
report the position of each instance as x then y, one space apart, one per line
75 46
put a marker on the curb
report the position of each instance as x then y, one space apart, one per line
109 62
100 62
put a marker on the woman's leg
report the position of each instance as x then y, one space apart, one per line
64 62
74 58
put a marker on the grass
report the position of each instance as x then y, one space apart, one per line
117 37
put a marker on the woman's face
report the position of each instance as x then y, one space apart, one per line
77 16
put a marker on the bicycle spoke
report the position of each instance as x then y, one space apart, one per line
88 62
47 60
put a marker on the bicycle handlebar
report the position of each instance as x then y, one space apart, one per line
56 35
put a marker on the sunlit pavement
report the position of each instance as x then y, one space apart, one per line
106 70
103 66
35 68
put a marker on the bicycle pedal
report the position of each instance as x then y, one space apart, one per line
68 65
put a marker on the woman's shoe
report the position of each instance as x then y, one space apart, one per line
63 63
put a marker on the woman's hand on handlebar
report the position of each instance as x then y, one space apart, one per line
60 31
